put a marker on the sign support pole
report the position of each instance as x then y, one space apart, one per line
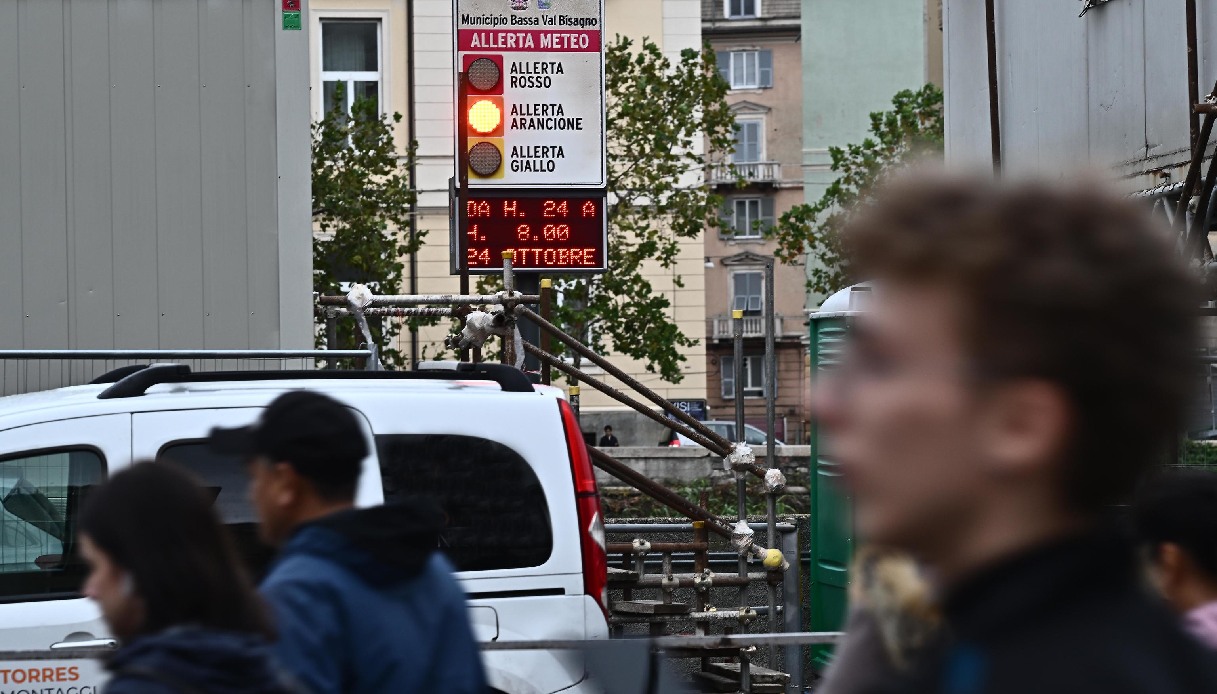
462 194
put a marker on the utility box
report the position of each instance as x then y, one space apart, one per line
832 525
154 176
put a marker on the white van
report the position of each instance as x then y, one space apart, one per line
505 459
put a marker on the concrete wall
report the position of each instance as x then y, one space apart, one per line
1107 90
676 466
154 176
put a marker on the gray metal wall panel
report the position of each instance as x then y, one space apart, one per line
139 208
1043 78
1116 62
90 234
43 173
261 182
133 174
1125 59
223 135
179 214
1166 107
11 276
294 190
967 93
1207 44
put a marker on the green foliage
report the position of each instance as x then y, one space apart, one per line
1203 453
361 203
912 130
659 112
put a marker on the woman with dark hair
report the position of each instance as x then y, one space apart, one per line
170 587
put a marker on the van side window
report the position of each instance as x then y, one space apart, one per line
40 496
495 510
226 479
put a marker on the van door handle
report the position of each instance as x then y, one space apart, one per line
87 645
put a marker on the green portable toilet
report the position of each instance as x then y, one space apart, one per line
832 526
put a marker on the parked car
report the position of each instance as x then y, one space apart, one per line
752 435
505 459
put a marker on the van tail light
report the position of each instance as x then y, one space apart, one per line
587 502
675 441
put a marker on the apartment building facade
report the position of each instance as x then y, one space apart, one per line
757 45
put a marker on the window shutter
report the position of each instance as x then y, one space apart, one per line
765 60
723 58
727 368
766 214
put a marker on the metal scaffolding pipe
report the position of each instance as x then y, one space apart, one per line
424 299
657 547
771 387
724 446
551 361
389 311
694 581
741 484
1193 76
1193 177
994 85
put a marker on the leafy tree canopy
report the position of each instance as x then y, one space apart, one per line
911 130
361 205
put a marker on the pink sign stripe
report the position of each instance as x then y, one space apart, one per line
529 40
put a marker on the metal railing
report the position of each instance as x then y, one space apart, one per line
754 326
751 172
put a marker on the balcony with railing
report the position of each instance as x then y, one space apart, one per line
724 173
754 326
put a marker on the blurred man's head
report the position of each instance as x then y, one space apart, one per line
1176 515
304 455
1024 356
608 430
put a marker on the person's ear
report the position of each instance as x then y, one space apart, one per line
1025 426
285 484
1170 562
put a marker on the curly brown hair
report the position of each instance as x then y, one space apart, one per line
1065 283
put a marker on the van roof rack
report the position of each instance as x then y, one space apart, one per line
136 382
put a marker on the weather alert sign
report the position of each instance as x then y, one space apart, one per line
534 76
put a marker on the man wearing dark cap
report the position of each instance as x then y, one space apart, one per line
362 600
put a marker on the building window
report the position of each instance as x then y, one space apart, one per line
749 146
350 61
747 292
746 69
740 9
748 218
754 376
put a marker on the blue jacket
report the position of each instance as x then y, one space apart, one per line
188 660
364 603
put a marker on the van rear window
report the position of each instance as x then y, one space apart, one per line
496 512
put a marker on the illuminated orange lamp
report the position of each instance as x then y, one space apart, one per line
486 116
